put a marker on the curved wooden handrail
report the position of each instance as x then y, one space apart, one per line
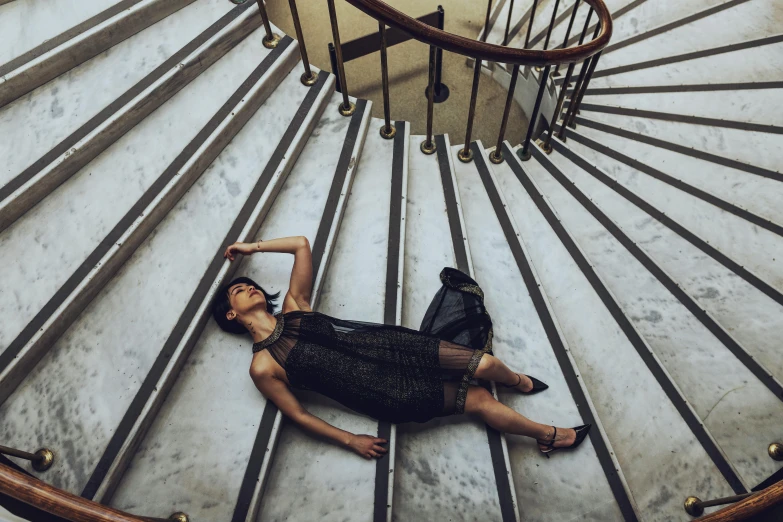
484 51
48 498
753 505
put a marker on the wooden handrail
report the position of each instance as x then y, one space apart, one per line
484 51
753 505
66 505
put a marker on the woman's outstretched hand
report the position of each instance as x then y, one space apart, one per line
240 248
367 446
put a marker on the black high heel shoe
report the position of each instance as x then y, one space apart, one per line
581 434
538 386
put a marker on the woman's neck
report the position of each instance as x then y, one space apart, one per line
261 325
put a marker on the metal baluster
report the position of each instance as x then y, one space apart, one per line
466 155
577 88
496 156
568 31
346 107
271 40
508 21
387 131
308 77
428 145
695 507
41 460
530 23
547 145
486 21
524 152
549 31
585 83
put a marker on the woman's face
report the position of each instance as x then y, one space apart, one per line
244 298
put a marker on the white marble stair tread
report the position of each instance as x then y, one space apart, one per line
753 318
66 230
744 105
542 19
28 23
754 248
659 455
233 400
763 149
568 488
758 64
498 30
444 467
748 20
102 366
739 410
35 123
757 194
558 33
353 288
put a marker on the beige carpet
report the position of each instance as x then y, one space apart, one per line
408 64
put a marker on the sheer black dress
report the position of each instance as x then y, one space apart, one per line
390 372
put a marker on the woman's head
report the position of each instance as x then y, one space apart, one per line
240 298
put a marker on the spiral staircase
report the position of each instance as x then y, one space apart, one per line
635 265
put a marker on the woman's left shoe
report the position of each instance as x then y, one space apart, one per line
581 434
538 386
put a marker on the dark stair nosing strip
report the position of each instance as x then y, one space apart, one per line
688 151
672 25
680 230
761 373
772 479
686 411
514 31
63 37
759 221
617 14
681 118
505 496
58 150
558 347
384 464
699 87
148 387
61 295
750 44
542 34
261 445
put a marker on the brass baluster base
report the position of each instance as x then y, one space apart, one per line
45 460
309 80
347 112
427 149
496 157
546 147
271 43
693 506
465 155
388 134
775 450
524 156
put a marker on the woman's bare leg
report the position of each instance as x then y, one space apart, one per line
491 368
480 402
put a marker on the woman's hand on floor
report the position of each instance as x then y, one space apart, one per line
240 248
367 446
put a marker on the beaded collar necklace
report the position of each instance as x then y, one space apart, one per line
260 345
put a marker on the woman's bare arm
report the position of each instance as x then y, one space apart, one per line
301 284
277 391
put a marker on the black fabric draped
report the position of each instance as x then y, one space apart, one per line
390 372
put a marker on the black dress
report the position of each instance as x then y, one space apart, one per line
390 372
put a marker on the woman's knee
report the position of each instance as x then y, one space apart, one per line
477 398
486 365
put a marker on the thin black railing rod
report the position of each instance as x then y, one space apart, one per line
508 21
428 146
524 153
497 155
270 40
486 21
387 130
577 89
466 154
346 108
585 83
439 54
530 23
551 24
309 77
568 31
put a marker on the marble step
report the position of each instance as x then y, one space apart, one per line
733 395
743 21
74 36
660 451
109 340
747 105
437 460
79 246
71 120
754 247
618 8
520 12
576 485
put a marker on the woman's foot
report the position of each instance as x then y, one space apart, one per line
524 384
564 437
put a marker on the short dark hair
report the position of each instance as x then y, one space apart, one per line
221 305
